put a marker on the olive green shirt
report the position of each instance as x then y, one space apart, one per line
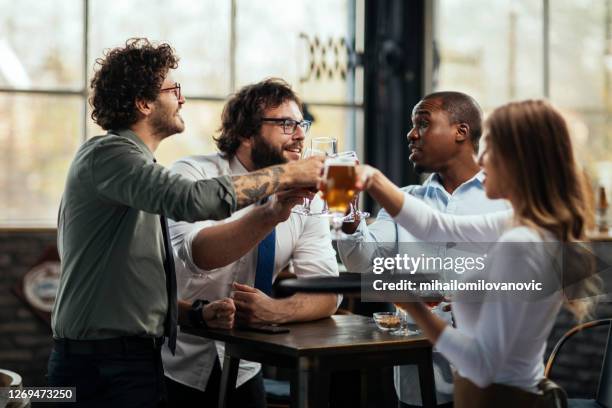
110 241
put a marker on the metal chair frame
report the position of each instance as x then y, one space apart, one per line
604 393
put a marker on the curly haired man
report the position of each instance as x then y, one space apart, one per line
117 296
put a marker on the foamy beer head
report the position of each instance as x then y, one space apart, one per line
340 178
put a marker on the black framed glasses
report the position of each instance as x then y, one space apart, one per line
176 90
290 125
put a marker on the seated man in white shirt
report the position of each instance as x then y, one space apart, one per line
241 256
443 140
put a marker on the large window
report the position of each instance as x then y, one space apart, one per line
504 64
518 49
47 54
580 67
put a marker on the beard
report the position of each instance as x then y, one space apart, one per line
264 155
164 121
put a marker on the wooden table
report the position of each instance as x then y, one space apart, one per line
315 349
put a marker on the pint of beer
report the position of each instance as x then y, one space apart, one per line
340 178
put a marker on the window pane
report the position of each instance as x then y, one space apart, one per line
41 44
290 29
339 123
580 73
35 153
198 30
578 53
505 64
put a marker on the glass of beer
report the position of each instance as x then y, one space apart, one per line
319 146
328 147
354 206
304 209
339 190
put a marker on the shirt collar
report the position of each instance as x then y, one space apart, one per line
479 176
434 181
236 166
129 134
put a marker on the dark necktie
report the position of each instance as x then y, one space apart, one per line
171 315
172 312
265 263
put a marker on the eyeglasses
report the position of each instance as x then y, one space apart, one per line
290 125
176 90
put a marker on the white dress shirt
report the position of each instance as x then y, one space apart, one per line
501 341
358 249
304 242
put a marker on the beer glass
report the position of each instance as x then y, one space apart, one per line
319 146
354 206
304 209
340 177
324 146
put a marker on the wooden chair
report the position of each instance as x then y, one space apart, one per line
603 397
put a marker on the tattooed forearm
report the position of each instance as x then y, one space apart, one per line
254 186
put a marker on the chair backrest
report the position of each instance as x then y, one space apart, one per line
604 389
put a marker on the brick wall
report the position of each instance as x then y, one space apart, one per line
25 341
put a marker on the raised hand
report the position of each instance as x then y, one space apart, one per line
305 173
254 186
279 207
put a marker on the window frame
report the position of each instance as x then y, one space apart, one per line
355 109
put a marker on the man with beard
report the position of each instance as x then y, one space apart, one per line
117 294
443 141
262 125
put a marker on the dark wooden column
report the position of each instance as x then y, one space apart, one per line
393 66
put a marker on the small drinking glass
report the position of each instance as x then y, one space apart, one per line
404 330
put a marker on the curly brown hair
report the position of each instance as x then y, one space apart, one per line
126 74
244 110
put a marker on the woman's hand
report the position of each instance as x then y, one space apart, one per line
380 188
365 176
